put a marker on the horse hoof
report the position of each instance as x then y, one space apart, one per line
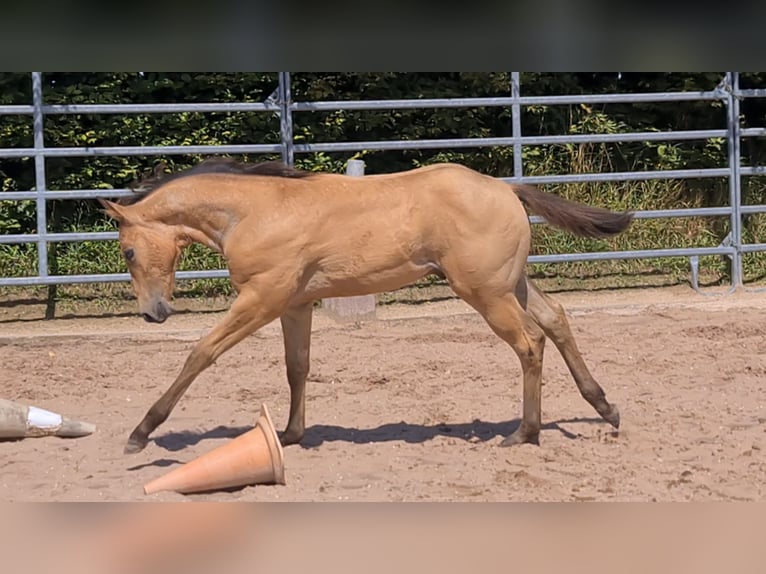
134 446
613 417
287 438
521 437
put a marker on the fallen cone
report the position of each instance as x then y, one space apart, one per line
22 421
254 457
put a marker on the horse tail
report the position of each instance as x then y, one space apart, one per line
571 216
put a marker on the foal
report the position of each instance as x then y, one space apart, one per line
291 237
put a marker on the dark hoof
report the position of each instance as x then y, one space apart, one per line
521 437
135 446
613 416
287 438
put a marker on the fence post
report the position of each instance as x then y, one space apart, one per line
518 161
351 308
286 118
735 178
40 189
37 126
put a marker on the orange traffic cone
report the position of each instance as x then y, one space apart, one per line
252 458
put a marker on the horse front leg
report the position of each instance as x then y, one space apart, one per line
296 329
248 313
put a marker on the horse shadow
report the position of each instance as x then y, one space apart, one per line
474 431
179 440
316 435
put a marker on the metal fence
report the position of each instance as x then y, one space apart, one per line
728 92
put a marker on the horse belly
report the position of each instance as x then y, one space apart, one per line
363 278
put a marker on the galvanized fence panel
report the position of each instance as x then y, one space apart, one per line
281 103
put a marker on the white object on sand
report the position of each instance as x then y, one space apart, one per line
22 421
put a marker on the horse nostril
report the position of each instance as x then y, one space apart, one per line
163 310
148 318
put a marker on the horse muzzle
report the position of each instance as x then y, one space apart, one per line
158 312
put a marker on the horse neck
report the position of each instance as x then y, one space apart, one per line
206 218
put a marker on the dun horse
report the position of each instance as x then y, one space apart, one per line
291 237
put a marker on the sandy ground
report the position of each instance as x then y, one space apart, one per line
411 406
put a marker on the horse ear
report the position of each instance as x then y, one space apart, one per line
113 210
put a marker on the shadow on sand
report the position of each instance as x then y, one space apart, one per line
475 431
316 435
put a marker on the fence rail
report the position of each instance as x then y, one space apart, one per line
281 103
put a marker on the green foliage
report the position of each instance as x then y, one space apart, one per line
18 260
106 172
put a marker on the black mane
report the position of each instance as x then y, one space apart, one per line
158 177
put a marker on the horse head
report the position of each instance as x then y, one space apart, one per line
151 250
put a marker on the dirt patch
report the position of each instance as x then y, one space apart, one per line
412 406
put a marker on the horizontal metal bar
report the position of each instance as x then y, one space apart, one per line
66 194
403 144
752 209
624 137
338 105
161 108
423 103
139 150
624 176
16 110
59 237
667 213
638 254
61 109
108 236
509 141
753 170
752 247
622 98
97 193
751 93
644 214
752 132
91 194
222 273
684 212
103 278
369 145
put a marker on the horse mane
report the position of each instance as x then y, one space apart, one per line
157 178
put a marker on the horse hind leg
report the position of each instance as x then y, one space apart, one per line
550 316
510 322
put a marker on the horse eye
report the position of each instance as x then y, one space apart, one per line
129 254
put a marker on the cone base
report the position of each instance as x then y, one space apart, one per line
275 447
